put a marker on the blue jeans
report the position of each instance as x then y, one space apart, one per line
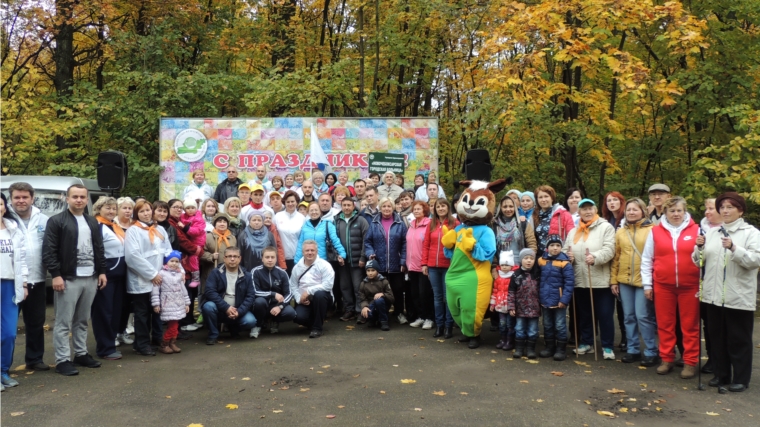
437 278
506 323
527 327
212 316
8 324
638 314
604 312
555 324
378 310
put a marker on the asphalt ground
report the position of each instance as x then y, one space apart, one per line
356 376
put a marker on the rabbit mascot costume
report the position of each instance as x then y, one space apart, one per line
471 246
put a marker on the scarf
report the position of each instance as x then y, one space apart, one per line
584 229
507 230
117 230
221 237
256 240
151 229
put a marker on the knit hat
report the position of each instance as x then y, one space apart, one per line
553 238
529 194
735 198
190 202
527 252
173 254
220 215
371 264
507 258
516 191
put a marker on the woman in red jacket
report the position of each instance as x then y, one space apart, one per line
672 281
550 218
435 264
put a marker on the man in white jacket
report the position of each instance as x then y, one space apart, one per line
311 286
32 223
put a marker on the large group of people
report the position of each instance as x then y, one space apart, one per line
248 256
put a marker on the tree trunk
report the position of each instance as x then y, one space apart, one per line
63 55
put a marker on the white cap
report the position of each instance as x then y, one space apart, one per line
507 258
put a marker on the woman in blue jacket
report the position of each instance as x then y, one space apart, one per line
322 232
385 242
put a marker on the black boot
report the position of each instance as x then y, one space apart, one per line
561 353
464 338
448 332
502 342
438 332
510 344
519 349
474 342
548 351
531 349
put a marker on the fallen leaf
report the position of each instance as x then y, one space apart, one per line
349 327
320 372
341 406
578 362
304 389
20 368
493 361
277 411
615 391
439 393
539 400
381 338
588 372
587 402
634 410
714 414
606 413
726 409
643 385
532 361
231 406
629 424
631 399
382 392
16 414
463 393
643 367
245 379
168 397
326 367
284 387
408 381
658 409
441 340
356 376
329 417
395 366
624 410
418 409
195 425
29 373
232 378
558 373
524 381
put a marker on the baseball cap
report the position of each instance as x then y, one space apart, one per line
244 186
659 187
275 193
257 187
586 201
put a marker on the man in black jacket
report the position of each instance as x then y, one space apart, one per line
73 253
229 187
229 297
272 286
351 228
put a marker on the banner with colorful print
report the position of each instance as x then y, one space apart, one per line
283 146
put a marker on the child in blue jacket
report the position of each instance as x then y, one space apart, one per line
557 282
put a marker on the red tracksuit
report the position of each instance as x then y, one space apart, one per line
676 284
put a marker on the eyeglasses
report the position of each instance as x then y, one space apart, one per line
176 207
232 256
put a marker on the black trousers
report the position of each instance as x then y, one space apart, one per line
313 315
396 281
731 343
106 315
422 296
33 312
289 264
262 307
143 310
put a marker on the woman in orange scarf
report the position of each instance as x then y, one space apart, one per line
217 240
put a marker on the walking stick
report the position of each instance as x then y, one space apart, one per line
593 316
700 386
575 327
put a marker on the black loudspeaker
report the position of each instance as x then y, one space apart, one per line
477 165
112 170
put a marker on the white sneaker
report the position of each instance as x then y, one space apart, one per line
402 319
274 328
255 332
130 326
192 327
608 354
417 323
428 324
118 343
125 339
583 349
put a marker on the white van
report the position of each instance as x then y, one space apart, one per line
50 191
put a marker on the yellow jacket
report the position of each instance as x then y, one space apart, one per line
626 266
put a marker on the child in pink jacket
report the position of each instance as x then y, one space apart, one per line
194 226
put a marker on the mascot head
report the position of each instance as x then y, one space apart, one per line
477 203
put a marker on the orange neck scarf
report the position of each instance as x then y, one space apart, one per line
117 230
222 237
152 232
583 229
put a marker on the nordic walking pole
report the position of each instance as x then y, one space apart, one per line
593 316
700 386
575 326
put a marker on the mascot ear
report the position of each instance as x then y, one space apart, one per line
465 183
497 185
